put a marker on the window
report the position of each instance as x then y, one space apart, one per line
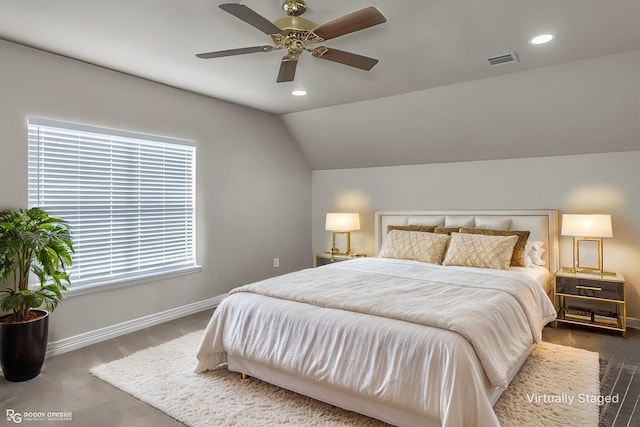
129 199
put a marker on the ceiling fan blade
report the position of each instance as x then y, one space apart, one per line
251 17
231 52
356 21
287 69
346 58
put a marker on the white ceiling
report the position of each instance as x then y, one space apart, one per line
424 44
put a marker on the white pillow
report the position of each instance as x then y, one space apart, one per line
416 245
493 223
435 221
533 253
479 250
459 221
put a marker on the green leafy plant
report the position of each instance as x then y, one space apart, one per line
31 241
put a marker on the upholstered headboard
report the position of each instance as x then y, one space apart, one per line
542 225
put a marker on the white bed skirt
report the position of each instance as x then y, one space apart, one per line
371 408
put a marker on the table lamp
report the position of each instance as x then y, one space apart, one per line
587 232
342 223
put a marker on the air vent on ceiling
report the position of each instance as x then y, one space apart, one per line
503 59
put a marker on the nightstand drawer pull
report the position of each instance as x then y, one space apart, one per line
588 288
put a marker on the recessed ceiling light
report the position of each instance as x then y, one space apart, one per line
299 92
542 39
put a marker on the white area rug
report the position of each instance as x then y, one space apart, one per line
162 376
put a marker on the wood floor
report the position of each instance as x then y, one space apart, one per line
66 385
619 362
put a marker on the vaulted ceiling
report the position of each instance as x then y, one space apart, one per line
433 96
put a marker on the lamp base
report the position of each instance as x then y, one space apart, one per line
347 250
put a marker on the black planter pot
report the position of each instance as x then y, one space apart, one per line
23 347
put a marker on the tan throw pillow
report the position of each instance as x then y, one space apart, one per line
416 245
446 230
478 250
423 228
517 258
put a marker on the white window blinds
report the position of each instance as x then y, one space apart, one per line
129 198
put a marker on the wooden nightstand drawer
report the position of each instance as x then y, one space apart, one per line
590 288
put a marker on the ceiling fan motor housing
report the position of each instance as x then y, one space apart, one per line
294 7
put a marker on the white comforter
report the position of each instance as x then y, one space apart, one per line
360 326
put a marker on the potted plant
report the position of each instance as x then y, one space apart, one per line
31 242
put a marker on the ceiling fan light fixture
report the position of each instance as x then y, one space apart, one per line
541 39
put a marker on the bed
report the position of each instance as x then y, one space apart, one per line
409 342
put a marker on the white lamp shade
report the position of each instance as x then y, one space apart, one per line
587 226
342 222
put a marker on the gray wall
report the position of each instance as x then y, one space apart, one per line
253 183
592 183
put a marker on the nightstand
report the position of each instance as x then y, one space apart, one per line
573 290
324 258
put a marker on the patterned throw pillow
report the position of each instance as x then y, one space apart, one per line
478 250
416 245
517 258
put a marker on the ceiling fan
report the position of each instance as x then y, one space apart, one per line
295 33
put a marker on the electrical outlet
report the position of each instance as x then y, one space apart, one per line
276 262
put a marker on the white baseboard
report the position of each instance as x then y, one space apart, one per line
632 322
92 337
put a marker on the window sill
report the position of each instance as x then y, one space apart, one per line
105 286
